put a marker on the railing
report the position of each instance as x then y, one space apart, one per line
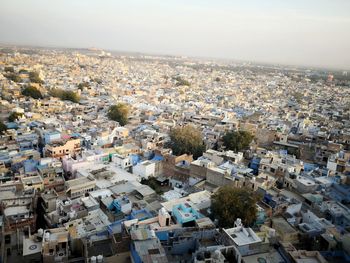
16 225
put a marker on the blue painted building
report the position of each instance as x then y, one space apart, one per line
120 204
52 136
254 164
145 247
30 165
12 125
141 215
135 159
185 214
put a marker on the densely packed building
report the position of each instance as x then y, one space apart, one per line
72 180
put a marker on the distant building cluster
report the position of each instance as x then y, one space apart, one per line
76 186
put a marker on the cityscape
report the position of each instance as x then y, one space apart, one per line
132 156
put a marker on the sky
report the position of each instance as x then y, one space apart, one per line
295 32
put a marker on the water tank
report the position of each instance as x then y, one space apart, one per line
272 232
153 234
40 232
238 222
99 258
93 259
71 214
162 211
217 254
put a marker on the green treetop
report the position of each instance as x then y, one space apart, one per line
119 113
230 203
237 140
187 140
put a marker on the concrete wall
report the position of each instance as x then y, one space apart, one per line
198 171
144 170
218 178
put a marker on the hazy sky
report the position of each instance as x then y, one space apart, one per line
306 32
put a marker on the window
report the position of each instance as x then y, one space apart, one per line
7 239
153 251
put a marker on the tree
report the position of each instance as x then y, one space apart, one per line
23 71
83 84
35 78
237 140
153 183
33 92
71 96
187 140
298 96
65 95
9 69
119 113
13 76
97 80
230 203
181 82
3 128
14 116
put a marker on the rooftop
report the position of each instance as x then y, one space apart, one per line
77 183
270 257
242 236
59 235
15 210
30 246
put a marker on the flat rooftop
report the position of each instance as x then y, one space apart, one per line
101 193
271 257
94 222
15 210
59 235
89 201
31 247
242 236
32 179
302 256
77 182
305 181
115 174
280 224
199 200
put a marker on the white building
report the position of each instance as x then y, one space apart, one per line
123 162
305 185
144 169
244 239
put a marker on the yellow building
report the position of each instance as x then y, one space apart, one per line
33 182
62 148
79 187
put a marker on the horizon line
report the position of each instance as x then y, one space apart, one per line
179 55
